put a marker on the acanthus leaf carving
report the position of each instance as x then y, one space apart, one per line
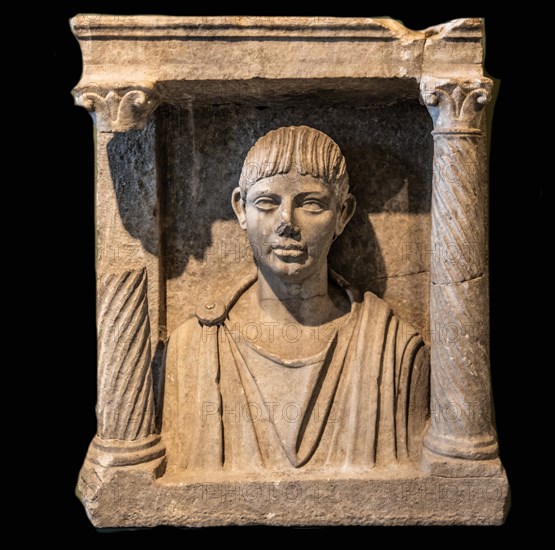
456 106
119 109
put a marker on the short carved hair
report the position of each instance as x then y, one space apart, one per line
300 148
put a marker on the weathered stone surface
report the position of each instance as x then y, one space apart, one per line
403 497
293 389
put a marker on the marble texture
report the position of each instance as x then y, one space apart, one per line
177 103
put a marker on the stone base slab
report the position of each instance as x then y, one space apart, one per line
139 496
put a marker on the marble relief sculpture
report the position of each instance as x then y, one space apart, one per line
314 351
354 397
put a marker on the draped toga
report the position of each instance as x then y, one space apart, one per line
361 402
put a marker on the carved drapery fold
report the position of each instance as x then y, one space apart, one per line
461 424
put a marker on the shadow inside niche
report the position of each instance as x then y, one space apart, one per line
200 151
382 182
132 163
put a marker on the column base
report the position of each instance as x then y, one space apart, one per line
470 448
443 466
108 461
115 452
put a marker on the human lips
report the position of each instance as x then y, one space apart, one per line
289 250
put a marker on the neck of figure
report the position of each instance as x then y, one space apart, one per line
306 302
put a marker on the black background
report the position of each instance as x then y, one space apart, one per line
516 276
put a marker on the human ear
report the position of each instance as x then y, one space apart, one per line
239 207
346 212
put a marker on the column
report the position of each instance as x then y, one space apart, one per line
128 269
461 406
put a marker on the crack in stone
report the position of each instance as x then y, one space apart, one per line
469 280
400 275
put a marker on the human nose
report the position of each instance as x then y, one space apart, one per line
287 227
286 213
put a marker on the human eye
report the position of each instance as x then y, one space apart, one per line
313 205
265 203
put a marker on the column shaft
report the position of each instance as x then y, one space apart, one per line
461 424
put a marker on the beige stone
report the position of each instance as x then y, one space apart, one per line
292 285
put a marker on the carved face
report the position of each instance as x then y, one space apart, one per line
291 221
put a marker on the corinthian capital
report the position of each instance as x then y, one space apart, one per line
456 106
118 108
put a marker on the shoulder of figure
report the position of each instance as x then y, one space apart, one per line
371 299
213 307
378 304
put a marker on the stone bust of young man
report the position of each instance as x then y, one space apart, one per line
352 398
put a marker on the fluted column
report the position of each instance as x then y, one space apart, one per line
461 422
130 297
